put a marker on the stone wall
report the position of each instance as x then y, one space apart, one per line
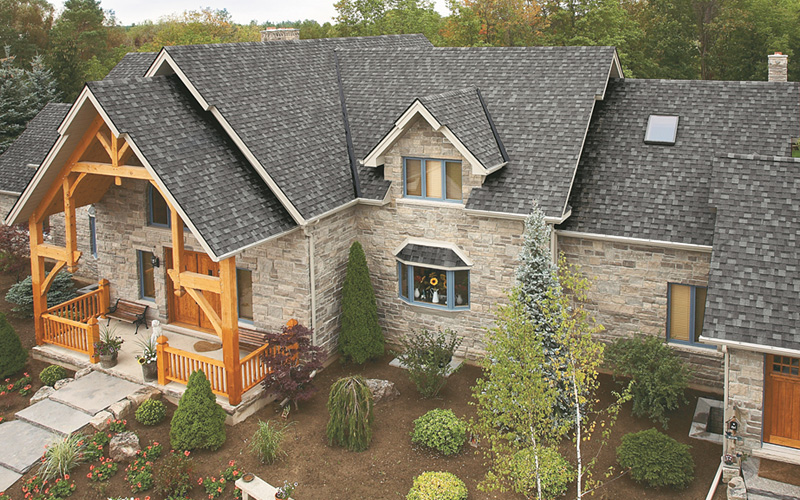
746 394
629 293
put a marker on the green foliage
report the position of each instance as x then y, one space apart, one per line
198 422
151 412
437 486
440 430
361 337
659 376
656 459
24 27
350 407
139 474
554 472
62 456
12 355
426 356
173 474
52 374
61 290
267 441
94 446
387 17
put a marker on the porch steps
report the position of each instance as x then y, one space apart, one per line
759 488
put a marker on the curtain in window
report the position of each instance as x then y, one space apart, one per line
680 312
433 178
453 180
414 177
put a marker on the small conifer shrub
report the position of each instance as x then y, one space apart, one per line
350 407
52 374
151 412
12 355
656 459
198 422
61 290
440 430
361 338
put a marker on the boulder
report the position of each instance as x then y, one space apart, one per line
61 383
143 395
42 393
382 390
123 446
83 372
737 489
121 409
101 421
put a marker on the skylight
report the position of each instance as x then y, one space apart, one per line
661 130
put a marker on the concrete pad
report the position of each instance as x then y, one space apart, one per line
23 445
55 416
94 392
7 479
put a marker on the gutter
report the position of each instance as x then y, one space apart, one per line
636 241
747 346
312 280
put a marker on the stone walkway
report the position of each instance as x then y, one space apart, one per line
68 410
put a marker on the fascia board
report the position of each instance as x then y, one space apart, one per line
636 241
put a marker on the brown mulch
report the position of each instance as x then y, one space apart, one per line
387 468
778 471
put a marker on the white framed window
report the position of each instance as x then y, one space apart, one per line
433 179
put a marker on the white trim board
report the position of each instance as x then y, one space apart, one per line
435 244
635 241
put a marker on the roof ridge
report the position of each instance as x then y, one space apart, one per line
303 41
450 93
759 157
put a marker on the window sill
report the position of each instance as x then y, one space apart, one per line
430 203
707 349
432 308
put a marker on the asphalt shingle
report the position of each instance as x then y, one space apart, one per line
133 64
434 256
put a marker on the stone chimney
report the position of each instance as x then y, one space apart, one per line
273 34
778 67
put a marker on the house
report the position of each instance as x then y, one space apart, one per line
225 184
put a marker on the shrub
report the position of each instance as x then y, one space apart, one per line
62 456
151 412
61 290
12 355
52 374
198 422
440 430
437 486
555 472
139 474
361 337
173 474
656 459
427 355
94 447
350 407
659 376
103 471
291 361
266 442
15 250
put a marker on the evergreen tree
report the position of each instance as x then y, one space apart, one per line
12 355
198 422
361 337
24 26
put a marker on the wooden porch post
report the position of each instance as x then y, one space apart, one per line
71 240
230 330
94 336
105 296
36 232
177 251
162 359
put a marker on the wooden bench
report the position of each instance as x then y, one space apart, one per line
129 312
251 339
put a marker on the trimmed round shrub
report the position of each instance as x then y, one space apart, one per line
361 338
440 430
656 459
198 422
12 355
555 472
437 486
350 406
151 412
52 374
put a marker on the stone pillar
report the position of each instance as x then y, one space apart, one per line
778 67
274 34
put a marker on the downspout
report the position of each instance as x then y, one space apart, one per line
312 280
553 244
726 405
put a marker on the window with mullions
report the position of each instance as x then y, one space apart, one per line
432 179
244 294
433 287
686 306
159 213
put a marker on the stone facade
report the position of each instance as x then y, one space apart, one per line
746 395
629 293
778 67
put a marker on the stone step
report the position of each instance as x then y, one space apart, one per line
94 392
7 479
55 417
23 445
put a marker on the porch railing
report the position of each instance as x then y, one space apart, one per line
253 368
175 365
73 324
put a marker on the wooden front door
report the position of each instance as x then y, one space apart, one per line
782 401
184 309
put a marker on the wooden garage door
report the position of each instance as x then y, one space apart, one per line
782 401
184 310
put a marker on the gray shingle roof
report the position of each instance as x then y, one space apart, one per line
540 98
282 98
754 282
625 187
462 112
210 179
31 147
133 64
434 256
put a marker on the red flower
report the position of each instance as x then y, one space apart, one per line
186 453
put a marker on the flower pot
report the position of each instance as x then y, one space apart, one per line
108 360
150 371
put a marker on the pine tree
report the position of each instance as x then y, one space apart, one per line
12 355
199 421
361 337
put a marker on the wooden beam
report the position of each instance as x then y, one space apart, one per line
36 235
106 144
230 329
200 282
123 153
207 308
70 227
75 184
177 250
48 251
98 168
114 150
51 275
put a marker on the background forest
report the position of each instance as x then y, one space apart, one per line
48 55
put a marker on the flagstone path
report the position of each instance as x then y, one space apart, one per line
67 410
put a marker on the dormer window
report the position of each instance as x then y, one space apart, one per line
432 179
661 130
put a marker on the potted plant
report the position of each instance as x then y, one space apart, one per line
285 491
148 358
108 346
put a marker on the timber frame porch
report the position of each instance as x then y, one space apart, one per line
84 180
